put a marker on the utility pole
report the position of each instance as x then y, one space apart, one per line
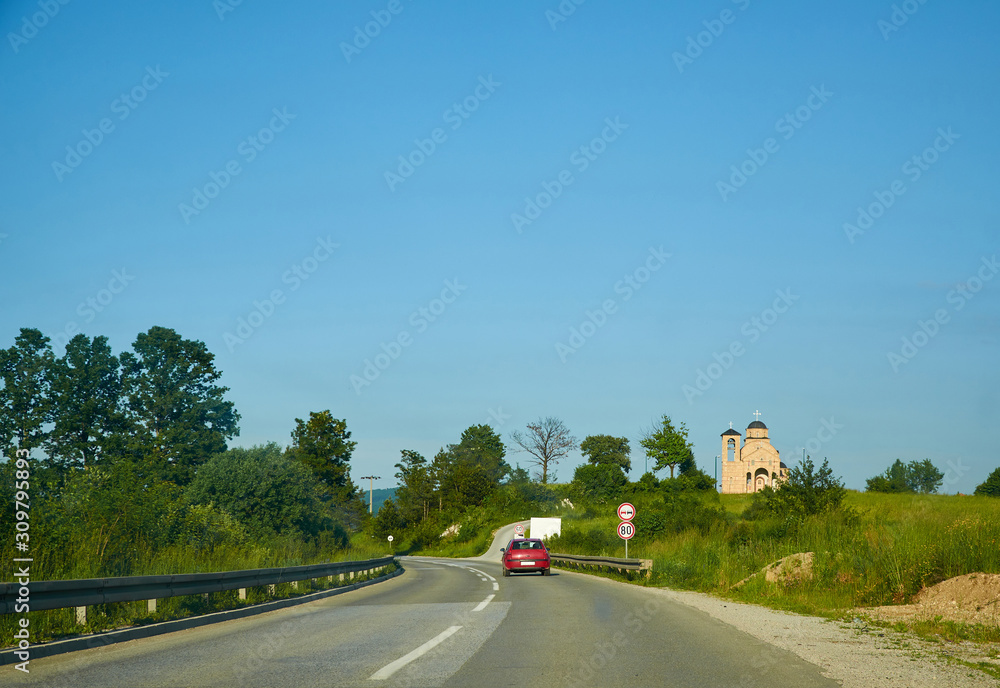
371 487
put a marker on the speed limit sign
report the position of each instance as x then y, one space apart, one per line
626 529
519 529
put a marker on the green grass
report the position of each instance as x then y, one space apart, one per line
880 549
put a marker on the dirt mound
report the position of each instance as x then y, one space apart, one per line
790 569
972 598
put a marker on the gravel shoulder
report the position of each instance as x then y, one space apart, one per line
856 654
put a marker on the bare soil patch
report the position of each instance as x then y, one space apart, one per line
973 599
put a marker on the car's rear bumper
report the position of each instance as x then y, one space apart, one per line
515 566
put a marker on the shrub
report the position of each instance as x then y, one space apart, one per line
600 483
807 491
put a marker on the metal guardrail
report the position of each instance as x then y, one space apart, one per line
83 593
573 560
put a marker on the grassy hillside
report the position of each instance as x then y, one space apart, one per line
879 549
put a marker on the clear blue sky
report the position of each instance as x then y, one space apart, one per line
512 100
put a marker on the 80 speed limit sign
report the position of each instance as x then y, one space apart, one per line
626 529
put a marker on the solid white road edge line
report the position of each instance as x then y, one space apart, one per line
482 605
392 667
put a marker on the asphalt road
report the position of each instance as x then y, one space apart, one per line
448 623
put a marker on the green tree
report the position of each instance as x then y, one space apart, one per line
600 449
468 472
481 446
991 486
807 491
178 415
925 476
547 441
323 443
25 399
912 477
668 445
601 482
86 412
264 489
416 486
388 521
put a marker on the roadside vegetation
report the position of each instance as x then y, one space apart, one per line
130 474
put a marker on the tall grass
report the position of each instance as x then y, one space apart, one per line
880 549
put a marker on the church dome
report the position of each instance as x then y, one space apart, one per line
757 425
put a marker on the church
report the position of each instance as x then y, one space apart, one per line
752 464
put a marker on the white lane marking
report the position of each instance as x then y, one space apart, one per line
482 573
496 586
482 605
392 667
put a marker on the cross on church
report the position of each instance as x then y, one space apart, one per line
756 415
730 425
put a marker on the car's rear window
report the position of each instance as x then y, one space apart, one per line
527 544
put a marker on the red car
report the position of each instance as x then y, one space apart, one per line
525 554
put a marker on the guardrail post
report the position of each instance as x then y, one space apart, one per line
341 578
295 585
81 616
352 575
272 589
242 593
151 606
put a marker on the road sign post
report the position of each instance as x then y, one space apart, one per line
626 529
626 512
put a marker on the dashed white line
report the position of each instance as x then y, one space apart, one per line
482 573
496 586
392 667
482 605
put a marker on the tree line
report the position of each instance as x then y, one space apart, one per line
131 462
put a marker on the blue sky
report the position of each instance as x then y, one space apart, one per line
727 144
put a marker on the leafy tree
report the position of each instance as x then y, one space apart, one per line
601 482
480 445
416 487
323 443
915 476
388 521
547 441
178 415
25 399
668 445
264 489
807 491
925 476
468 472
607 449
991 486
86 412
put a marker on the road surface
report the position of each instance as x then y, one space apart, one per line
448 623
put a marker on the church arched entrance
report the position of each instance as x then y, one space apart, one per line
760 479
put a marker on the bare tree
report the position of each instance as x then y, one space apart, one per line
547 441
